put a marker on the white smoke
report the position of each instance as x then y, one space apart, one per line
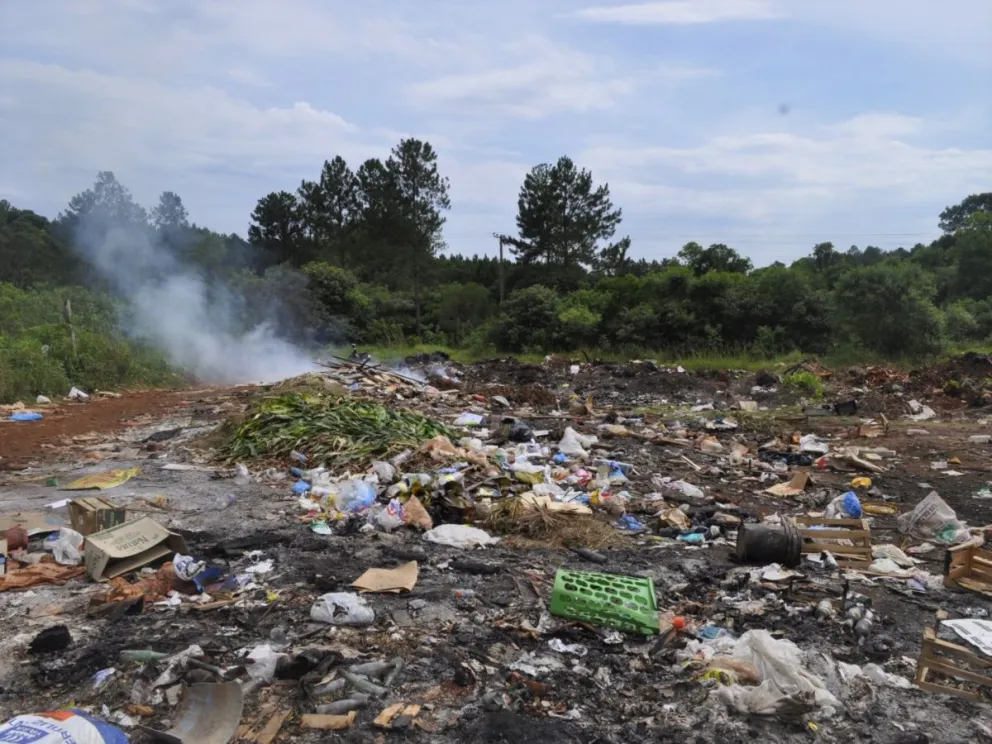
195 324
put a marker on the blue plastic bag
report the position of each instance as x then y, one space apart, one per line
26 416
852 505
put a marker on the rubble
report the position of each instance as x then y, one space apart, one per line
560 552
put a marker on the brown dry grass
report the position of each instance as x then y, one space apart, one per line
527 527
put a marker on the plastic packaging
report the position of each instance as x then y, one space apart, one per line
351 496
60 727
26 416
460 536
390 517
342 608
68 548
574 444
187 567
846 506
264 660
933 519
385 472
780 669
687 489
469 419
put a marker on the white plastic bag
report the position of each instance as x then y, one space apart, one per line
460 536
264 660
68 548
574 444
342 608
934 519
780 668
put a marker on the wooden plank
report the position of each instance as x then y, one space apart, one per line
933 648
931 687
956 572
834 535
815 547
807 520
963 674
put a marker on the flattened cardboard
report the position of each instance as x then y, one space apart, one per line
396 580
128 547
800 479
92 514
33 522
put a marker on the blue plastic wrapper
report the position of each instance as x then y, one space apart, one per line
300 487
629 523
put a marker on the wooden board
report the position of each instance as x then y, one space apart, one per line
952 660
855 531
970 568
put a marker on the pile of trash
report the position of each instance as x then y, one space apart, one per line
402 551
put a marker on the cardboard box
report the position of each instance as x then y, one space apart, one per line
128 547
33 522
95 514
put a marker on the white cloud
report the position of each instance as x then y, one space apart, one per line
534 77
681 12
556 80
774 176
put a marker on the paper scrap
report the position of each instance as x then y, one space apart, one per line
395 580
976 632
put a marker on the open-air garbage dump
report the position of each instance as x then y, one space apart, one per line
502 552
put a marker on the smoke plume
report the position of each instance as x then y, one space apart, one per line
196 324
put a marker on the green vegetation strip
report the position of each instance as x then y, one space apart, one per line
333 431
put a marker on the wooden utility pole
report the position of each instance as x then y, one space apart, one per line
502 241
501 282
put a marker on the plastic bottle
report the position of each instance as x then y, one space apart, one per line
241 475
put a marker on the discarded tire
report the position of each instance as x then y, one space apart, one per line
769 543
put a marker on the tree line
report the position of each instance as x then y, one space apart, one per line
359 255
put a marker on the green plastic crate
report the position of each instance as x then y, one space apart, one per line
621 602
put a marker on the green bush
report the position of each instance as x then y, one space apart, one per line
805 383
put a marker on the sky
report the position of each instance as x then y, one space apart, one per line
768 125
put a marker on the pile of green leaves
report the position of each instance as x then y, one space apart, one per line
333 431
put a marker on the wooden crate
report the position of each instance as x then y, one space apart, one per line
857 531
951 660
968 567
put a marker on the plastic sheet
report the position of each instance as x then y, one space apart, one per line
783 678
342 608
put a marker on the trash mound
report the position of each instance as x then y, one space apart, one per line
338 430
